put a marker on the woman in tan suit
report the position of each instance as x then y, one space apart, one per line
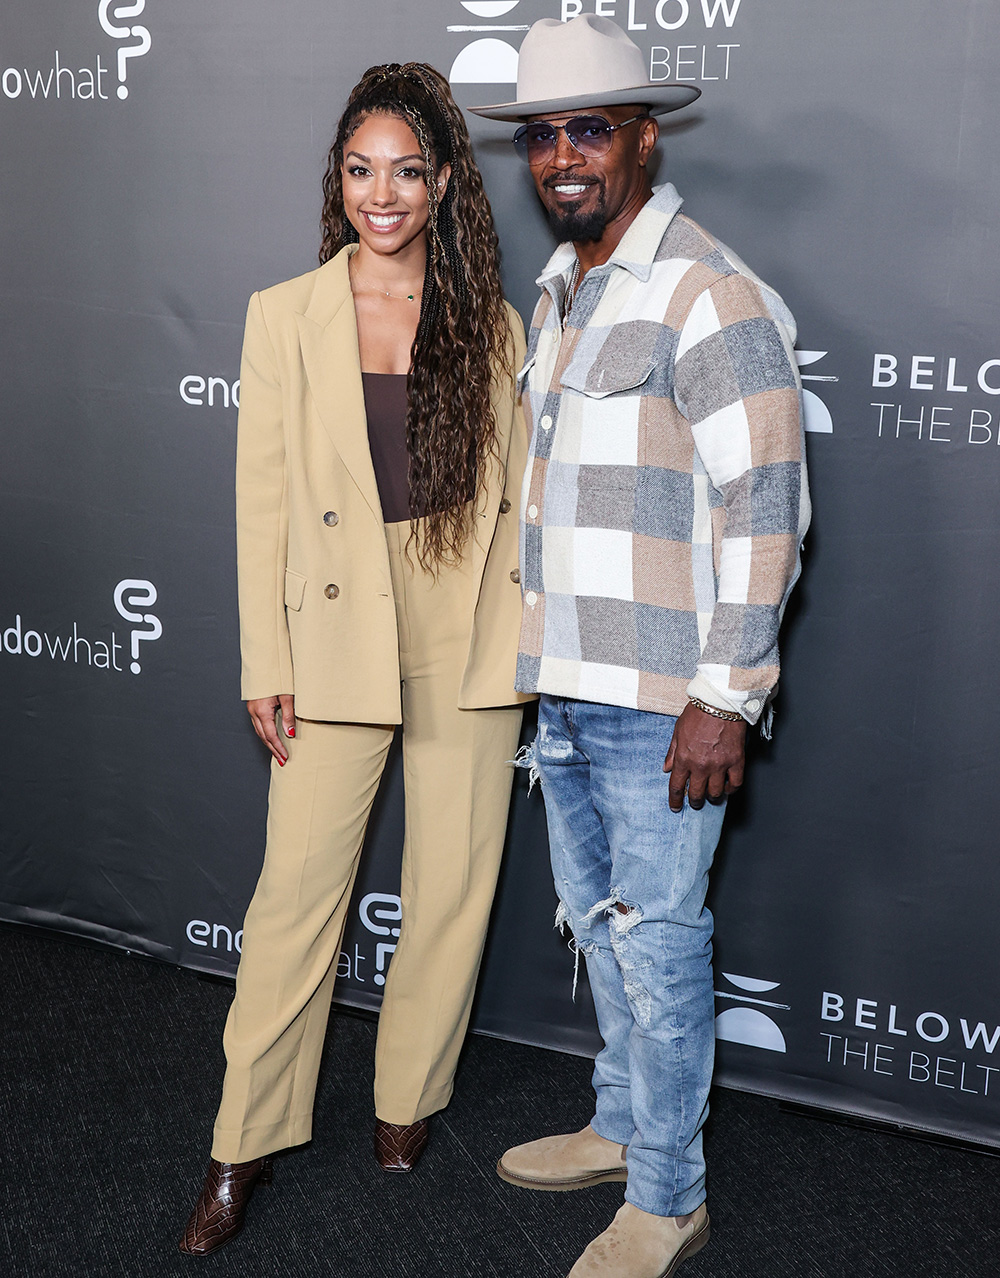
379 462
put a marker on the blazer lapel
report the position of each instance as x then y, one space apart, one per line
328 339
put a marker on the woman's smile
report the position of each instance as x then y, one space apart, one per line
383 223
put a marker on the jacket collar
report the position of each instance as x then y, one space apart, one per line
331 288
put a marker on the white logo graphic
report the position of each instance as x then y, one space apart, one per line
487 60
691 61
125 51
141 594
746 1024
966 421
490 60
377 910
215 936
817 415
489 8
68 645
200 391
957 1071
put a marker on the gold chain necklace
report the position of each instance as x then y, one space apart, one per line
373 288
569 297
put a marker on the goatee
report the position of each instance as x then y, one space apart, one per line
568 223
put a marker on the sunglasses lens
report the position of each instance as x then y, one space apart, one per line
590 134
540 141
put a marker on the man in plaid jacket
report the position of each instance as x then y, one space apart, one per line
662 514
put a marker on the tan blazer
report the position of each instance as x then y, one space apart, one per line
317 616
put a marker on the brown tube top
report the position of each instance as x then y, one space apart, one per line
385 408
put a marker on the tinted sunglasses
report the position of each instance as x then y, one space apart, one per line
591 135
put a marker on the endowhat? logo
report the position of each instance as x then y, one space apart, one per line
133 597
380 914
60 81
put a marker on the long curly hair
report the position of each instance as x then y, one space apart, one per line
463 335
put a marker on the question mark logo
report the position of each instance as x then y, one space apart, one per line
122 33
377 911
132 593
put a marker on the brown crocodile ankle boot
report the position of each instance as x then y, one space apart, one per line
218 1213
398 1147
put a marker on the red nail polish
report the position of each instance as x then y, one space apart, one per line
281 763
290 732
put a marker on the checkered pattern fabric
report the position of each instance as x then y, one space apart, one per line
665 498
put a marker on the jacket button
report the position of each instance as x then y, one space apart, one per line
504 505
332 591
515 577
331 518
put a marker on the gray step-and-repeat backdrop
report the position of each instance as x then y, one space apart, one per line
161 161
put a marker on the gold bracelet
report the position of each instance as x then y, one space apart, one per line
730 716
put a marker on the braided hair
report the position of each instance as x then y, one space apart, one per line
463 335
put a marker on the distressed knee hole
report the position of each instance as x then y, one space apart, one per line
624 918
607 906
621 915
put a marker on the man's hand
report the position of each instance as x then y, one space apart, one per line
706 758
264 712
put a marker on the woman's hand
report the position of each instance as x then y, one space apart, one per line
264 713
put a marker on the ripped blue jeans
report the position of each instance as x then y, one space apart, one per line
614 842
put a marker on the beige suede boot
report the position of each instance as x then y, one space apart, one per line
571 1161
638 1245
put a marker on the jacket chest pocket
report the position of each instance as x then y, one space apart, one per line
615 369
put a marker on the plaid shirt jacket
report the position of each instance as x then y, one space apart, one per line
665 498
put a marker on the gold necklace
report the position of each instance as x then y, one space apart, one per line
373 288
570 295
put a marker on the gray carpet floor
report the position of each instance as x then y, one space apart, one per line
111 1073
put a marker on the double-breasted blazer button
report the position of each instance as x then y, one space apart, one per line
331 518
332 591
504 505
515 577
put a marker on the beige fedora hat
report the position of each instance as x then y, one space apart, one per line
586 62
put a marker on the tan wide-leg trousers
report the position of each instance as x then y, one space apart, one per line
457 781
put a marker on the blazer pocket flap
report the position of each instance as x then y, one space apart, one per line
295 589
